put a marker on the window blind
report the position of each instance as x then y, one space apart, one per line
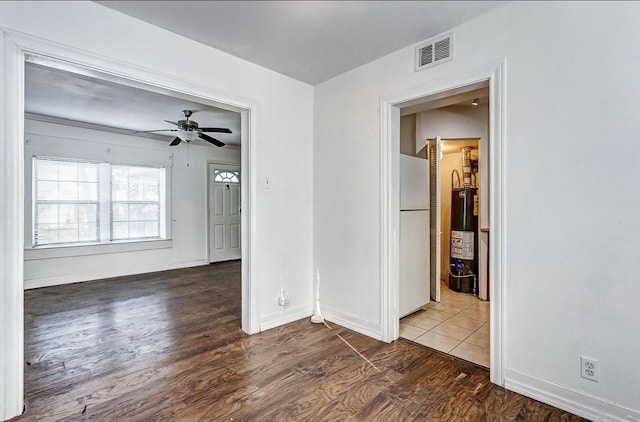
135 202
71 196
66 201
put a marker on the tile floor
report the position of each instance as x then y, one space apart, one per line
458 325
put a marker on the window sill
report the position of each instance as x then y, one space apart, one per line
94 249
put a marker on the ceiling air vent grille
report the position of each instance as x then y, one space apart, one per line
434 51
426 55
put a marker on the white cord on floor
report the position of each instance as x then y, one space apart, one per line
352 348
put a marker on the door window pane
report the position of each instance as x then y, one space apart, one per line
226 176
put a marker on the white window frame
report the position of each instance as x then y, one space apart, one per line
226 176
105 230
59 202
162 224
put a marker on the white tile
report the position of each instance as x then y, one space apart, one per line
437 315
471 353
421 320
479 339
449 307
469 324
453 331
410 332
474 314
437 341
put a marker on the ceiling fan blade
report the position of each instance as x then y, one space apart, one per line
215 129
173 123
157 130
208 138
175 142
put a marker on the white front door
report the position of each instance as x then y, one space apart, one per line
224 213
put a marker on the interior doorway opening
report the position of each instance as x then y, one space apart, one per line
17 48
452 319
443 90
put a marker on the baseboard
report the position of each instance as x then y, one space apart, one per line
35 283
352 322
578 403
285 317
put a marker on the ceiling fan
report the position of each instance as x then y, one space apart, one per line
188 130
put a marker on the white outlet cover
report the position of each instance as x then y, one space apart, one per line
589 369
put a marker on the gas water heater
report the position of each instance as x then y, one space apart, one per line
463 264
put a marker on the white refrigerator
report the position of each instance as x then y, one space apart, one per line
414 234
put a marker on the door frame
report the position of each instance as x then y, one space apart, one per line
229 164
495 74
14 48
435 253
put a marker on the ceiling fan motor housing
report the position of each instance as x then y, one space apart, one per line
188 125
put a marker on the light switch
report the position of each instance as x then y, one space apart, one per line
266 183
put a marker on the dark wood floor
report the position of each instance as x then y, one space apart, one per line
168 347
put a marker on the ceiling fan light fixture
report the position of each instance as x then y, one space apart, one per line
188 135
188 131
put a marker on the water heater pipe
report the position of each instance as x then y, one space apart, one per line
474 288
466 166
455 171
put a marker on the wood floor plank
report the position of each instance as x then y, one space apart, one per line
168 346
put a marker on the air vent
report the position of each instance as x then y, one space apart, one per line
426 55
434 51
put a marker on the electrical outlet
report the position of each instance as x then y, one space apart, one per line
589 369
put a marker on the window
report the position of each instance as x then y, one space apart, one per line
226 176
135 202
66 205
79 202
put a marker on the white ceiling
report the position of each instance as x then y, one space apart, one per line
311 41
74 96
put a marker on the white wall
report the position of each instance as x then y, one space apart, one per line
283 141
453 122
187 203
571 96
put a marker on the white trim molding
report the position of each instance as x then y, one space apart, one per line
249 201
352 322
576 402
268 322
11 228
15 49
56 280
495 74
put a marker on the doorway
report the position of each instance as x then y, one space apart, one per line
455 321
493 75
15 48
